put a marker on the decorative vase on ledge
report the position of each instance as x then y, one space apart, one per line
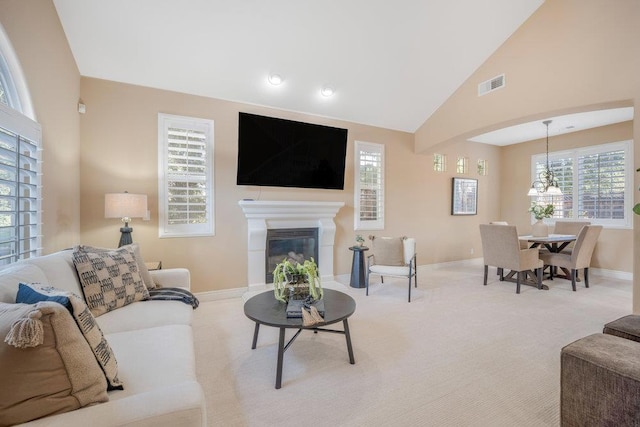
539 229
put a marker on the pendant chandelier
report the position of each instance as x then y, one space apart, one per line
546 185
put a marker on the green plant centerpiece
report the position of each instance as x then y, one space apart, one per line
541 211
359 239
296 280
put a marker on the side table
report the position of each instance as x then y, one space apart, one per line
153 265
357 267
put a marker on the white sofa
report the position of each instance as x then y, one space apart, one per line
152 342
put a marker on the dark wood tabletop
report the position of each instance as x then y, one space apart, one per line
265 309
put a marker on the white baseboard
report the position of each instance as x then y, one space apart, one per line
344 279
221 294
614 274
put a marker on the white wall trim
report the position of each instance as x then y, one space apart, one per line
264 215
344 280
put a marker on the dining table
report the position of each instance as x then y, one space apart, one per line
554 243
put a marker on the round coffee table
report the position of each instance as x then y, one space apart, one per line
264 309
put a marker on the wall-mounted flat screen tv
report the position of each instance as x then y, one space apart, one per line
284 153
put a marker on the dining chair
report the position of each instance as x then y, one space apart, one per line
579 258
523 243
392 256
501 248
569 227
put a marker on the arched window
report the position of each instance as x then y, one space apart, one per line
20 164
8 95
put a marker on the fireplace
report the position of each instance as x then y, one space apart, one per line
265 216
293 244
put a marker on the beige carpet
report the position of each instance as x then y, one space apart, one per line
460 354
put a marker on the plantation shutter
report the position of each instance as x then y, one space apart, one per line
369 202
596 183
562 168
20 187
186 189
601 185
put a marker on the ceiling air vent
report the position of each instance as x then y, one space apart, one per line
491 85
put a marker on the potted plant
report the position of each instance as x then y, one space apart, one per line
293 279
540 211
359 239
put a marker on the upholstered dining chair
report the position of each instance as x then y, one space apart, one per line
579 258
523 243
569 227
501 248
394 257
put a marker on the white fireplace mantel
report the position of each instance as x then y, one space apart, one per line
264 215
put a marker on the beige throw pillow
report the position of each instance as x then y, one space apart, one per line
142 267
109 279
58 375
388 250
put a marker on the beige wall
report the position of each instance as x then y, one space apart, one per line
571 55
119 152
54 83
558 61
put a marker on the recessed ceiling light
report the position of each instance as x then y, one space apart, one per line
275 79
327 91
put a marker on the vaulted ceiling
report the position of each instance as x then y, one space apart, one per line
391 64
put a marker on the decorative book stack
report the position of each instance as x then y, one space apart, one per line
294 307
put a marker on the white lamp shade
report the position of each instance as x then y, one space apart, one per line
125 205
554 191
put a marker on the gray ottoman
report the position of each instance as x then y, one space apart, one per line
600 382
625 327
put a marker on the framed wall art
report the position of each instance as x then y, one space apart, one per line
464 196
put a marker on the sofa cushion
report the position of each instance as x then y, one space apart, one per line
142 267
56 376
33 293
145 314
11 277
109 279
152 358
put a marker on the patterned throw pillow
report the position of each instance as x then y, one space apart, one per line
34 293
142 267
109 279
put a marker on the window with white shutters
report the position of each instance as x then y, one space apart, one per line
369 183
185 171
20 166
20 187
596 183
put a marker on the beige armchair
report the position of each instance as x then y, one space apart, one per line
392 256
501 248
569 227
579 258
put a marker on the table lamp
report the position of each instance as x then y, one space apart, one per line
125 206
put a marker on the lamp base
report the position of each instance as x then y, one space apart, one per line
125 237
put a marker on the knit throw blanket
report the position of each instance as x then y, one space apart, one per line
174 294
